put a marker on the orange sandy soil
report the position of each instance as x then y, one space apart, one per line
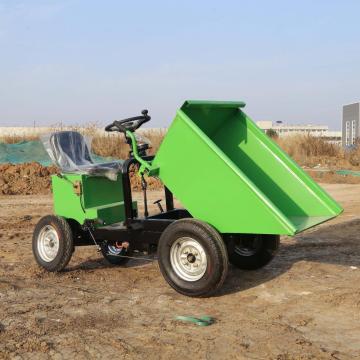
304 305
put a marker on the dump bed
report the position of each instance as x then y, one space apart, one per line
228 172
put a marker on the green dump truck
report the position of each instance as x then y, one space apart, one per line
239 190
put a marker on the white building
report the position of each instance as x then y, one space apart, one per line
309 129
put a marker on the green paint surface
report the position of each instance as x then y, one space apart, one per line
101 198
228 172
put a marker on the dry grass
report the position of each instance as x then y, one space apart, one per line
14 139
313 151
306 150
103 144
115 146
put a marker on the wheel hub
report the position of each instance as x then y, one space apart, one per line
188 259
191 258
48 243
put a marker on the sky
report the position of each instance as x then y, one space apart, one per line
85 61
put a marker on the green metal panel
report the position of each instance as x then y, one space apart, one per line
100 199
228 172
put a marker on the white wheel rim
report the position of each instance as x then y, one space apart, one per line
188 259
48 243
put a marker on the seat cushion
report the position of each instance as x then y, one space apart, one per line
70 151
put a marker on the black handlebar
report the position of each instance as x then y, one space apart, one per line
130 124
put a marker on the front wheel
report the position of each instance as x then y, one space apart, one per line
192 257
252 251
52 243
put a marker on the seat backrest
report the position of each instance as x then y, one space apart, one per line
69 150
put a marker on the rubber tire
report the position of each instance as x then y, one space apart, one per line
113 260
66 243
214 246
268 249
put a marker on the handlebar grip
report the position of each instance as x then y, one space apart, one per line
131 123
116 125
129 119
120 126
145 119
109 127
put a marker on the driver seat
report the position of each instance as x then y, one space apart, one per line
70 152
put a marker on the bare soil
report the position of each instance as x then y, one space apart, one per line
34 179
303 305
25 179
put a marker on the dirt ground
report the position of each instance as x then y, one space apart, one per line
303 305
35 179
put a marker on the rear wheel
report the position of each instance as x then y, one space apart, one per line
114 254
252 251
52 243
192 257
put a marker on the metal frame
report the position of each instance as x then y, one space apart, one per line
142 234
129 211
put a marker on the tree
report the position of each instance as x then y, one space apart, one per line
272 133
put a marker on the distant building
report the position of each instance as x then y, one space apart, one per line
350 124
313 130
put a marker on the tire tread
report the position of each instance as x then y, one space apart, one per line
214 241
66 242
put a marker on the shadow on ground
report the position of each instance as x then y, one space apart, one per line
336 244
